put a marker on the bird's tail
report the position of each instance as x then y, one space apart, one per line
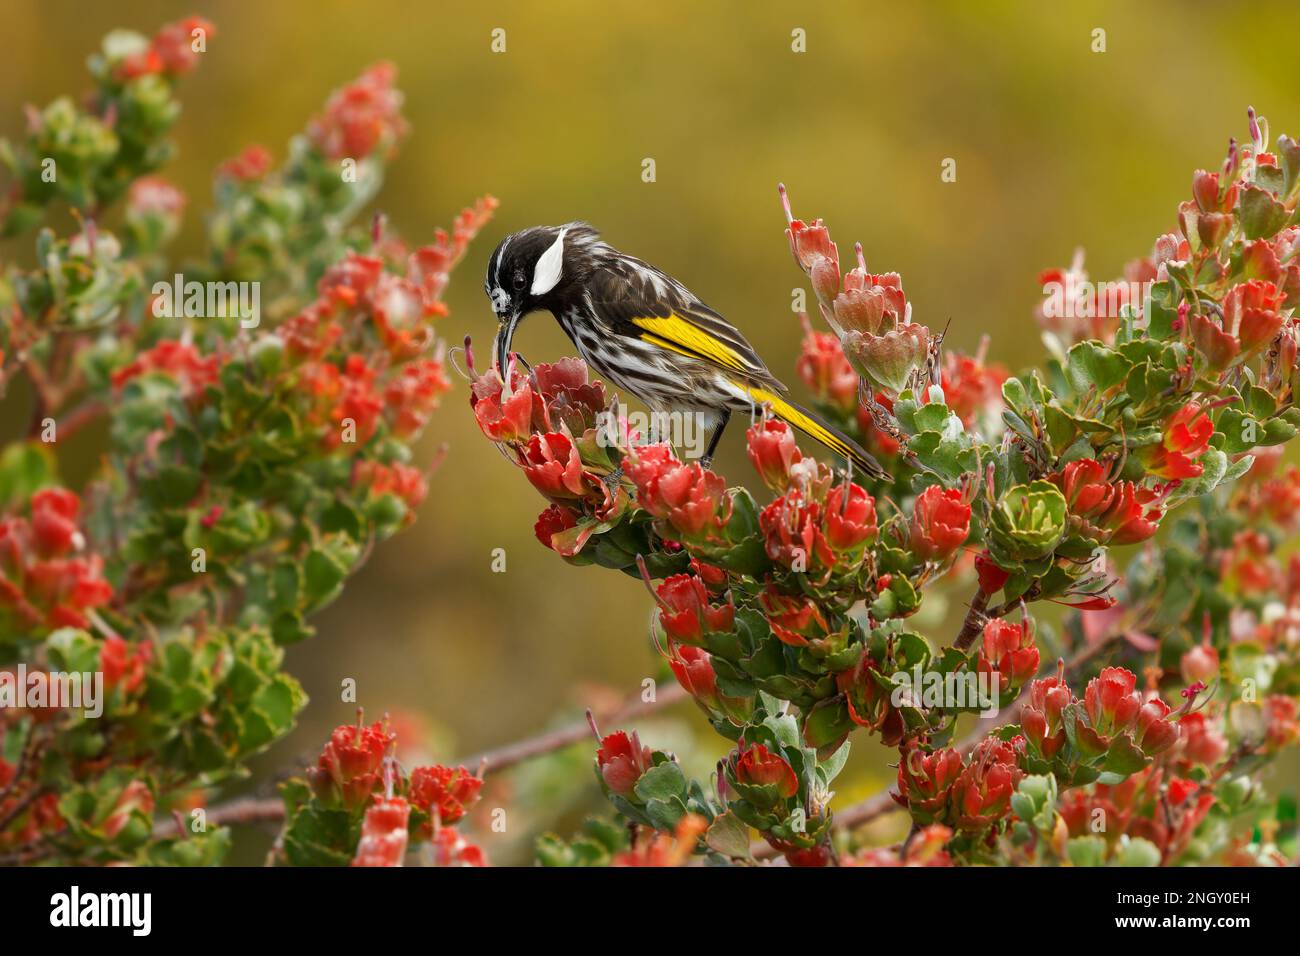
817 429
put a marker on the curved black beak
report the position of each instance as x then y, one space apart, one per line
505 333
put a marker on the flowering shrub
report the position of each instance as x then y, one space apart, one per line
1132 735
255 456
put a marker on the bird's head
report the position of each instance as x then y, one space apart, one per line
537 268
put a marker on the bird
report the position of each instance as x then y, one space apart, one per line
643 330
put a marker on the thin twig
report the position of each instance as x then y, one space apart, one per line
257 810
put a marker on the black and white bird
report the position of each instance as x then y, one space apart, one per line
644 331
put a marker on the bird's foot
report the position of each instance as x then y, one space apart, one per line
613 479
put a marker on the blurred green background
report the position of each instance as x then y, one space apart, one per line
1055 146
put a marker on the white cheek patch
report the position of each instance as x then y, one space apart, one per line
500 299
549 265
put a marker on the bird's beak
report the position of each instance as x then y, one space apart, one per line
505 333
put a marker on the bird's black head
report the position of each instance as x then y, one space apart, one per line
544 267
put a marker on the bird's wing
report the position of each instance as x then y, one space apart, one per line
641 301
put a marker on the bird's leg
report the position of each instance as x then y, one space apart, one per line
613 478
707 460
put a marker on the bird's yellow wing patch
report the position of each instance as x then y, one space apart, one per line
683 336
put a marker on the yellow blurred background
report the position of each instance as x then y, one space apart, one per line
1055 145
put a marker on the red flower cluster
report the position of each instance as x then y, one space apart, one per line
1252 318
816 526
402 481
1144 805
253 163
691 498
171 52
444 793
180 361
42 583
1114 707
1107 512
350 768
827 373
361 117
938 787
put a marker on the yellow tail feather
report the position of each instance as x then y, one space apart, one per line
817 430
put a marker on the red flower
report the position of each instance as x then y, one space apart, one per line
397 479
622 760
1111 701
450 848
991 577
940 523
444 793
972 389
171 51
1155 732
54 522
795 620
556 520
756 766
39 584
811 246
1248 567
1109 513
1201 663
792 532
982 794
685 611
870 304
502 417
552 464
1282 728
1201 741
384 833
175 43
693 670
362 117
1187 437
925 781
124 664
1251 311
850 518
252 163
1041 717
827 373
565 396
179 361
773 451
1009 651
155 196
413 395
694 501
349 768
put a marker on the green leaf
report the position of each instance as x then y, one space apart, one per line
728 835
664 782
1261 215
1095 365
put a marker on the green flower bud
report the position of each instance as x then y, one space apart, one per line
1029 521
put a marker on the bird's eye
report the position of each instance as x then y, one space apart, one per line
520 280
